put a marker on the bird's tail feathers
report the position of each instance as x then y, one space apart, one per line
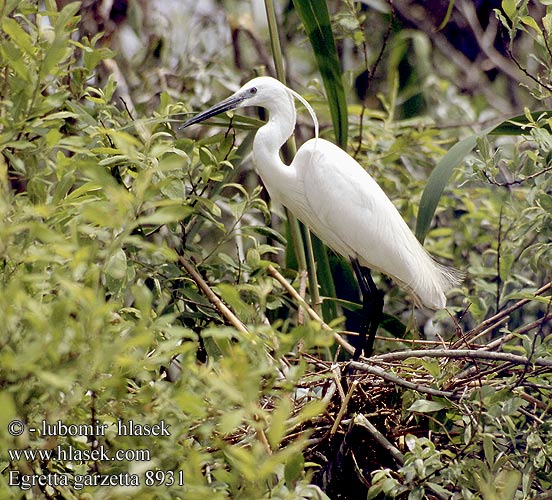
429 288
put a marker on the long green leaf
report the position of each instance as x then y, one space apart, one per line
316 19
437 182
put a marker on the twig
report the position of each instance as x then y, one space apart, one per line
489 330
211 295
533 400
343 408
372 71
485 41
311 312
461 354
474 77
390 377
502 314
361 420
533 77
520 180
545 495
123 90
521 331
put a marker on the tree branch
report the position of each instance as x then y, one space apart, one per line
211 295
362 421
390 377
311 312
461 354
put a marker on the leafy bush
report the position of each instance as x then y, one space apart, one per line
131 256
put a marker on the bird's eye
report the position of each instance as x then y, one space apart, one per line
253 90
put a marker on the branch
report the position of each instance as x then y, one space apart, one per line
390 377
461 354
485 41
496 319
311 312
211 295
521 180
474 78
380 438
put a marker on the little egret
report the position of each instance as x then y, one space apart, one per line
339 201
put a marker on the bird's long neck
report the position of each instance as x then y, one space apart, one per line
268 141
272 136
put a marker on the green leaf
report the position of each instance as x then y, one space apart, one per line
267 232
425 406
9 410
316 20
293 469
278 423
448 14
116 266
66 17
509 8
509 481
55 55
529 21
18 35
311 409
165 215
440 176
488 448
437 182
13 54
522 124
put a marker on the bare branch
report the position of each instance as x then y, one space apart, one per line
485 40
380 438
461 354
473 76
211 295
311 312
390 377
495 320
521 180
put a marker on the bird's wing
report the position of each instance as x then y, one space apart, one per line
348 210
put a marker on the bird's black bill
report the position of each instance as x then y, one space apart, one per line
231 102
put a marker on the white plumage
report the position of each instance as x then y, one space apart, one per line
332 194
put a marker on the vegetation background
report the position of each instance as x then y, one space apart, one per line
133 255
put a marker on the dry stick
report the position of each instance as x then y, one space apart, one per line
505 312
380 372
520 331
484 332
361 420
460 354
211 295
533 400
343 408
312 313
485 41
545 495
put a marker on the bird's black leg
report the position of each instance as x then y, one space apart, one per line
372 309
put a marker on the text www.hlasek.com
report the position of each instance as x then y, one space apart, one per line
71 454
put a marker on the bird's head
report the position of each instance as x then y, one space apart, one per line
263 91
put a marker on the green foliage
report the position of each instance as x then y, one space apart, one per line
95 210
105 209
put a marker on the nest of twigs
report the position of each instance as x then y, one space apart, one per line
365 424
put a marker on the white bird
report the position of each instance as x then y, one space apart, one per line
336 198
